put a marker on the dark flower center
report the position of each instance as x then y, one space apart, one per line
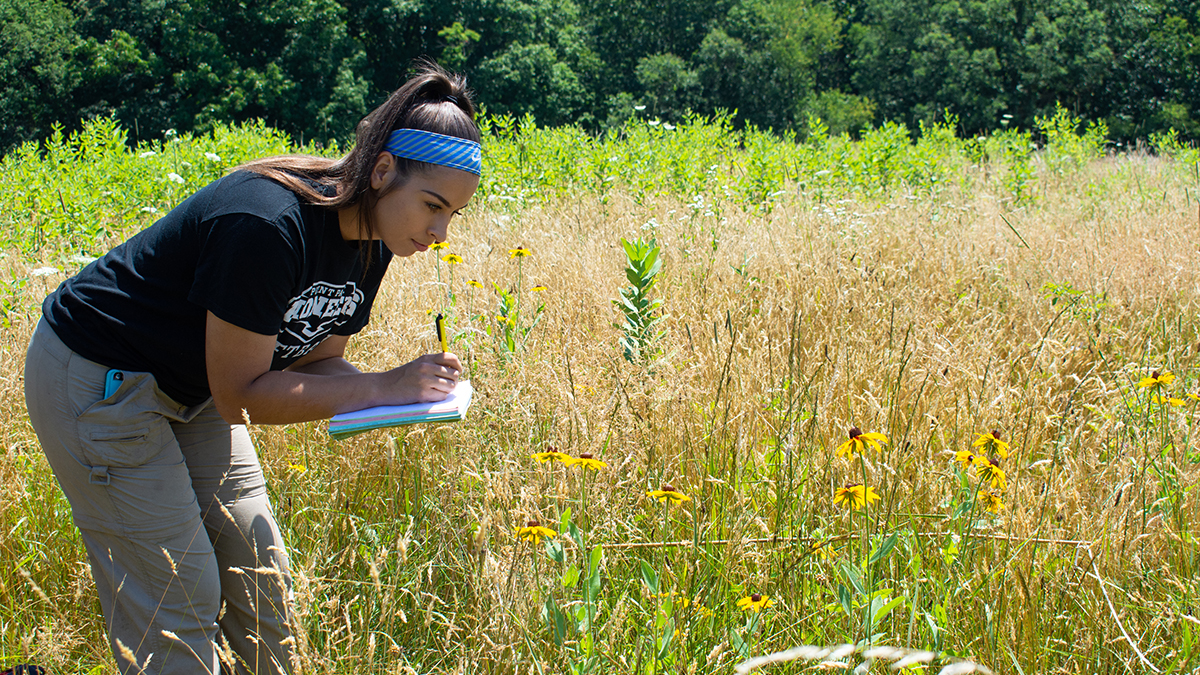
855 432
756 597
532 523
585 455
996 434
667 487
1155 375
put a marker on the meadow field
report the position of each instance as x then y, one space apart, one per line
687 324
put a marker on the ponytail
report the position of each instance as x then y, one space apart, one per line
432 100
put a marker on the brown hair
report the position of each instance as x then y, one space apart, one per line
432 100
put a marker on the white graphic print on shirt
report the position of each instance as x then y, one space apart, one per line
313 314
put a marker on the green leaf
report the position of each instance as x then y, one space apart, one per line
668 635
593 583
650 577
556 621
594 564
845 600
884 549
554 551
854 577
881 613
738 644
570 576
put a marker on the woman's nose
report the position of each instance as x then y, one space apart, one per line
440 229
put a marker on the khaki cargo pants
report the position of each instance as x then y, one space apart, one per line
174 515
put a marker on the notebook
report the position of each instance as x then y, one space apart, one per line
452 409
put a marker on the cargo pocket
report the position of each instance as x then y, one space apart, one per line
126 429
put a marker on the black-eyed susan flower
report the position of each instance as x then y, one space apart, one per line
991 443
669 494
474 283
533 532
298 468
755 602
965 459
552 454
519 252
1156 380
588 461
855 496
1194 397
1166 400
989 470
539 288
990 500
821 549
438 245
452 258
859 442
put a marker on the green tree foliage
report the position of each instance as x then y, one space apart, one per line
37 40
313 67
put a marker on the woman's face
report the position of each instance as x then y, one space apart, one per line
412 217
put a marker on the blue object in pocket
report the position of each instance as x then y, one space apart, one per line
112 382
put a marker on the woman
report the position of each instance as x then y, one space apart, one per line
236 306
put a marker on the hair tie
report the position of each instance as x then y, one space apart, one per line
452 98
427 146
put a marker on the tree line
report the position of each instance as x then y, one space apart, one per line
313 67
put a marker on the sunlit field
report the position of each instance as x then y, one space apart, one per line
930 399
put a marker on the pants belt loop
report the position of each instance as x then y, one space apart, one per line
99 475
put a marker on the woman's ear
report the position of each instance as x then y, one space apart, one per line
384 171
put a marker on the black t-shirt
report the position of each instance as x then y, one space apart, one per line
245 248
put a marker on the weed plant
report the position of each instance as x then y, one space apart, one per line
814 293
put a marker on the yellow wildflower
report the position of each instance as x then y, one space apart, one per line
669 494
859 442
1156 380
965 458
856 496
551 454
474 283
1165 400
989 470
990 499
991 441
533 532
754 602
452 258
539 288
821 549
587 461
438 245
519 252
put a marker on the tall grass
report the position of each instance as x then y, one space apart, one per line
929 291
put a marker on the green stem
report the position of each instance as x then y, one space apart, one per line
868 575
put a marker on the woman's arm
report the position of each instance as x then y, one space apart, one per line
327 358
317 387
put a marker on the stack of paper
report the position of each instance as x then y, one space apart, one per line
451 409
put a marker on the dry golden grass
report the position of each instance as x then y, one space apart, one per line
927 319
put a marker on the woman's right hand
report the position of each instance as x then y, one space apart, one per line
429 378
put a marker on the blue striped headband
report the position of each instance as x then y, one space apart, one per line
426 146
